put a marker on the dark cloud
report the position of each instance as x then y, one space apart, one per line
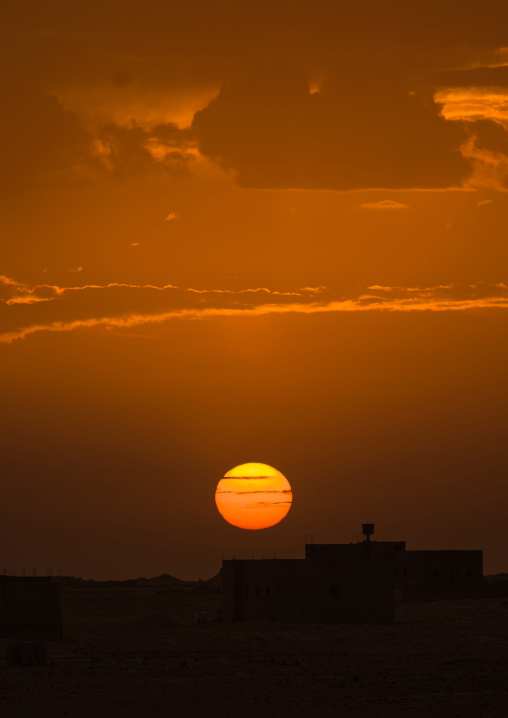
491 136
373 123
363 129
353 134
472 77
41 141
37 136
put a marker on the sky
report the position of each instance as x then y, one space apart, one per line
248 231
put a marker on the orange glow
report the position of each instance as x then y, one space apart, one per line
147 106
253 496
248 230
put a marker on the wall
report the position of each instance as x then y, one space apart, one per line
440 566
350 590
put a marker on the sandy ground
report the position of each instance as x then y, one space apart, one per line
138 651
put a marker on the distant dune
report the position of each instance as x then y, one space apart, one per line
164 580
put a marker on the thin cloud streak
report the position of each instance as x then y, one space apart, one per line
263 504
26 295
441 298
384 204
256 491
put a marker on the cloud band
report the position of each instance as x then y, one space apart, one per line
26 310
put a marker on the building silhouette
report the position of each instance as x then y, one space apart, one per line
30 608
342 583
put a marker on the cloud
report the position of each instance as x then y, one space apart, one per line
28 310
483 202
369 119
384 204
257 491
490 168
132 150
477 98
10 288
356 133
265 504
474 103
38 139
41 141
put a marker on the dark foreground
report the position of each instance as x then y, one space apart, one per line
138 651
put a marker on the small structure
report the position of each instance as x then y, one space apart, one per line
30 609
340 583
368 531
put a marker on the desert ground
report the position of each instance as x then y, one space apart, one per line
153 648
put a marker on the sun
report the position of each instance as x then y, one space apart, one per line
253 496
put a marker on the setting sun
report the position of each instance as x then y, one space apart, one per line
253 496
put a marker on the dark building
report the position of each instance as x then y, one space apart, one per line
30 609
348 590
421 567
340 583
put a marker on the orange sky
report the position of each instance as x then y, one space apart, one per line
251 231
